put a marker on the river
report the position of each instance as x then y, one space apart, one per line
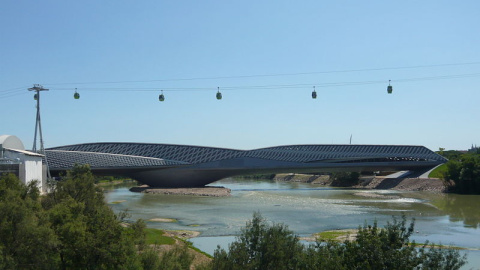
448 219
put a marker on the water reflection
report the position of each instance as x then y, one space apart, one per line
464 208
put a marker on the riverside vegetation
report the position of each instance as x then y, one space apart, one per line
461 172
73 228
265 246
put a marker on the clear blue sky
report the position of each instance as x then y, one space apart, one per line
120 54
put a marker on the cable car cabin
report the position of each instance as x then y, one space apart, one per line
314 95
161 97
35 97
219 95
389 89
76 95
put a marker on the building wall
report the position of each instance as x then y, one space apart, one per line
30 168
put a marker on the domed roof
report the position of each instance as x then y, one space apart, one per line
12 142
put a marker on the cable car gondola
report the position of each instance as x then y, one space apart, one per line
161 97
314 94
389 88
219 95
35 97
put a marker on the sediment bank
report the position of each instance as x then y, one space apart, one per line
200 191
378 182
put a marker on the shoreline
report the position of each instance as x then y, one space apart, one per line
434 185
197 191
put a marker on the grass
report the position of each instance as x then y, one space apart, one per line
333 235
155 236
438 172
117 202
113 182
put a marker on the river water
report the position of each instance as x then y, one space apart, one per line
448 219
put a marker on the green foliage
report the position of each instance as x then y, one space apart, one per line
438 172
387 248
26 239
332 235
73 228
465 173
90 234
150 259
450 154
109 179
261 246
178 258
156 237
345 179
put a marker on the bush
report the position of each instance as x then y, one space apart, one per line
465 173
345 179
261 246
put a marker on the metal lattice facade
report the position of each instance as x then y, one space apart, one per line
170 165
291 153
183 153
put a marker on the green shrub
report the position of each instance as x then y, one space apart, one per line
264 246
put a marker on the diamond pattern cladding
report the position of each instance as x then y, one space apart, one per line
184 154
58 159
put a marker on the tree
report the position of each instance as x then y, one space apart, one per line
178 258
345 179
72 228
465 173
90 234
261 246
26 239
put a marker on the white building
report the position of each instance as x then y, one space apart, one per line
28 166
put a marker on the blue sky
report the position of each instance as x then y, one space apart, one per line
265 56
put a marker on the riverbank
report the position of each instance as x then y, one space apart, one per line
164 241
201 191
405 184
435 185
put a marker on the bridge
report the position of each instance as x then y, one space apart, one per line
168 165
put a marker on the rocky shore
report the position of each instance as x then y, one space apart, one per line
406 184
378 182
201 191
